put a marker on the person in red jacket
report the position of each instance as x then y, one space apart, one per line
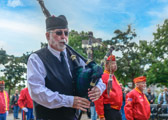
4 101
26 104
137 106
108 107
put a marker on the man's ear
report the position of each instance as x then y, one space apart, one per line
47 35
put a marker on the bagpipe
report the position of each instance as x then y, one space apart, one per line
84 77
88 77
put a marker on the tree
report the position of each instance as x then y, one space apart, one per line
75 41
158 73
158 53
131 64
3 57
14 73
160 43
24 57
43 45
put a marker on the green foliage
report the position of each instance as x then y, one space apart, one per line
157 53
24 57
75 41
132 62
14 73
3 57
43 45
145 58
99 53
158 73
160 43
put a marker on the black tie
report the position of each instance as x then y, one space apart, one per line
62 55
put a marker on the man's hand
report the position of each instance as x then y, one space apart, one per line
25 109
81 103
102 119
94 93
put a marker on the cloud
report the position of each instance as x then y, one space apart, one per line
146 33
20 22
21 32
14 3
162 1
162 14
2 44
18 26
99 16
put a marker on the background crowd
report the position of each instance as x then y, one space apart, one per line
22 101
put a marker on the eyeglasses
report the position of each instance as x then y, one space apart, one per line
66 33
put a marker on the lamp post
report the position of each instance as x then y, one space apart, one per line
90 44
90 47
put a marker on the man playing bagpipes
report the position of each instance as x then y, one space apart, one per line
50 73
109 104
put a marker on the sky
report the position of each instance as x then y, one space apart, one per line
22 23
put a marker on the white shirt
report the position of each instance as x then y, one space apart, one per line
36 74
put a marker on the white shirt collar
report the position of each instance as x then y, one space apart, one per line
56 52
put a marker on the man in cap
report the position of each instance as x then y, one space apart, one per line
4 101
150 96
26 104
108 106
137 106
50 79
